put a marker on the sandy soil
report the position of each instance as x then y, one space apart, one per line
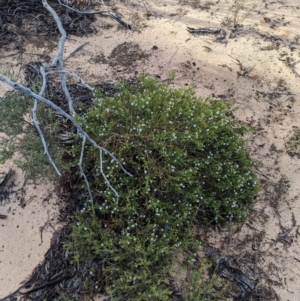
268 98
28 206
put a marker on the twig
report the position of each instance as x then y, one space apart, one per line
49 283
261 173
296 259
36 124
58 59
224 65
149 13
81 168
8 55
76 50
27 284
73 75
285 234
297 231
243 71
207 49
293 67
46 224
173 56
276 38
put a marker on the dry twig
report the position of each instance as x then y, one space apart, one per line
243 71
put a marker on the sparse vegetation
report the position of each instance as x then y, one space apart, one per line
21 136
241 10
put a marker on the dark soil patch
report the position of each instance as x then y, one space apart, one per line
127 55
276 192
98 59
28 21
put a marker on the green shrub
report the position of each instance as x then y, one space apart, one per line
189 165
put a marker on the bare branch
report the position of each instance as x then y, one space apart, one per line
58 58
76 50
81 169
58 61
104 176
73 75
80 131
35 122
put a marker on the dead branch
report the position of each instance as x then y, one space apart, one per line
80 131
58 61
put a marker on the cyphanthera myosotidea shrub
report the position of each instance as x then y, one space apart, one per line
189 164
187 156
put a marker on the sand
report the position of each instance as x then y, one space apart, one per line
23 245
267 98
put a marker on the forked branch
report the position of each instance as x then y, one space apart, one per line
58 61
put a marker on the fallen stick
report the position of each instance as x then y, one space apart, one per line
203 30
76 50
289 230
